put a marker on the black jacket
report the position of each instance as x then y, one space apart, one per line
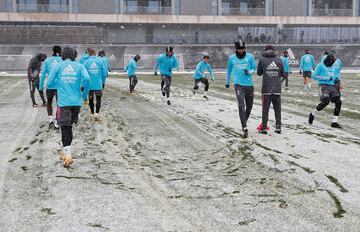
35 67
272 69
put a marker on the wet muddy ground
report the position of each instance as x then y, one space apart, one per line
149 167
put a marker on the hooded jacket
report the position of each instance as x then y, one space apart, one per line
131 68
200 70
272 69
166 64
307 63
236 68
34 67
97 71
70 78
49 64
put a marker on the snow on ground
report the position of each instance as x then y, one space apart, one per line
150 167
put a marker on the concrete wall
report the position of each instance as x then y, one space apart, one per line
100 7
196 7
289 7
191 54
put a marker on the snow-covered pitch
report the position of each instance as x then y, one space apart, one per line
150 167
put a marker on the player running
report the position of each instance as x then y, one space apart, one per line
130 69
241 66
272 69
307 65
70 77
98 73
51 92
34 77
200 77
327 74
84 56
287 69
106 60
167 62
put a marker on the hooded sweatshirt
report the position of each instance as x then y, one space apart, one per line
49 64
272 69
166 64
236 68
34 67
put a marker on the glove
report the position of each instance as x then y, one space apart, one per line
155 73
331 78
227 86
103 86
246 72
300 72
290 72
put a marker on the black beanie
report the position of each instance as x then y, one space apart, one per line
169 49
240 44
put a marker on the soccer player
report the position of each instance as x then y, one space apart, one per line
287 69
307 65
98 72
272 69
34 77
131 68
106 60
72 81
327 74
84 56
200 77
51 92
167 62
241 66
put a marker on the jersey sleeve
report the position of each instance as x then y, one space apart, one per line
44 72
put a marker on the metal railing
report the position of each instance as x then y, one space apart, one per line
147 10
244 11
42 8
332 12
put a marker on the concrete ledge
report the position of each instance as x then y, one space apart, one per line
177 19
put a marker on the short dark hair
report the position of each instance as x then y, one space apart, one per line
69 53
56 50
101 53
269 47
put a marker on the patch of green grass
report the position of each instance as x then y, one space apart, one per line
12 160
306 169
339 209
337 183
48 211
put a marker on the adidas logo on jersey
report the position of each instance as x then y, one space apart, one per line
69 70
53 64
272 66
93 65
93 68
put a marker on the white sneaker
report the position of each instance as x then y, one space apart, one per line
96 117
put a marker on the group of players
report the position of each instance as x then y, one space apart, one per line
72 83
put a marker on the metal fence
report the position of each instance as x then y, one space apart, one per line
43 8
147 10
332 12
244 11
